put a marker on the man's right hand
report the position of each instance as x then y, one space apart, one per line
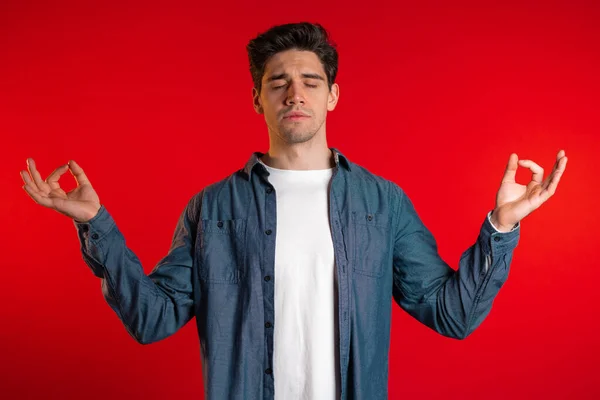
81 203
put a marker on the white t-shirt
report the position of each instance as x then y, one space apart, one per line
305 327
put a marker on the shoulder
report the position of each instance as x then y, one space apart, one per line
222 196
370 181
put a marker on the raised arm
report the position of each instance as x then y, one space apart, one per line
152 306
454 303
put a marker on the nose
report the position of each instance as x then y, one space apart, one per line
295 94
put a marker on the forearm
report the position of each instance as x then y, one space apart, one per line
483 270
148 308
453 303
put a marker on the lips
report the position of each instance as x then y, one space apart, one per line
295 115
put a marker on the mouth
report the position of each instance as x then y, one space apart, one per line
295 116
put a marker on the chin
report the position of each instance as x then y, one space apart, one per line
294 137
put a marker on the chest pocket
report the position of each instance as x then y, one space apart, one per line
222 250
371 234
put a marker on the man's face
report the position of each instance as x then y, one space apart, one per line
295 96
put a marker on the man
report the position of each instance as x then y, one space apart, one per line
289 265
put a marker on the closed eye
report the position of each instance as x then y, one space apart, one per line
282 86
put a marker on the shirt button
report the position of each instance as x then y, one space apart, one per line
269 190
268 371
95 236
220 224
268 231
267 278
267 325
370 217
497 238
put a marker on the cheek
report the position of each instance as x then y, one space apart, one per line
269 107
321 109
270 116
270 113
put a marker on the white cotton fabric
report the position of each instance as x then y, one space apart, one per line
305 327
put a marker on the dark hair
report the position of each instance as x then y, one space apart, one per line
298 36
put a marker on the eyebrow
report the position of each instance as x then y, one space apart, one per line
286 76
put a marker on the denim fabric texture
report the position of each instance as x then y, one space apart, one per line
220 269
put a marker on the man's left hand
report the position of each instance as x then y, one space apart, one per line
514 201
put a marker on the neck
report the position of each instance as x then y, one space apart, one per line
313 154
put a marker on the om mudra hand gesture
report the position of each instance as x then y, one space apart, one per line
81 203
514 201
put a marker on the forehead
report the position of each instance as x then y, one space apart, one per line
293 60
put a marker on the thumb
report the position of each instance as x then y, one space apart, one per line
511 169
78 173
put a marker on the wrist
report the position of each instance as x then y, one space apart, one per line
90 215
500 227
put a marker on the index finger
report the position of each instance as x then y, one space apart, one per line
53 178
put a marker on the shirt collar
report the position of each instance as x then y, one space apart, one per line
339 158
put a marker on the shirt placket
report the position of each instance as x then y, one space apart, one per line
268 282
342 277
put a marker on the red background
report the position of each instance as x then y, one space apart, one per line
154 101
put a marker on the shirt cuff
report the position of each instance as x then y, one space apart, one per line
489 216
495 242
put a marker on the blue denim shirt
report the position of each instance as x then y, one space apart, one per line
220 269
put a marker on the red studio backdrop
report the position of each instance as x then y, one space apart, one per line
154 101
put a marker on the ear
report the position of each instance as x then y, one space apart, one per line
256 101
334 95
